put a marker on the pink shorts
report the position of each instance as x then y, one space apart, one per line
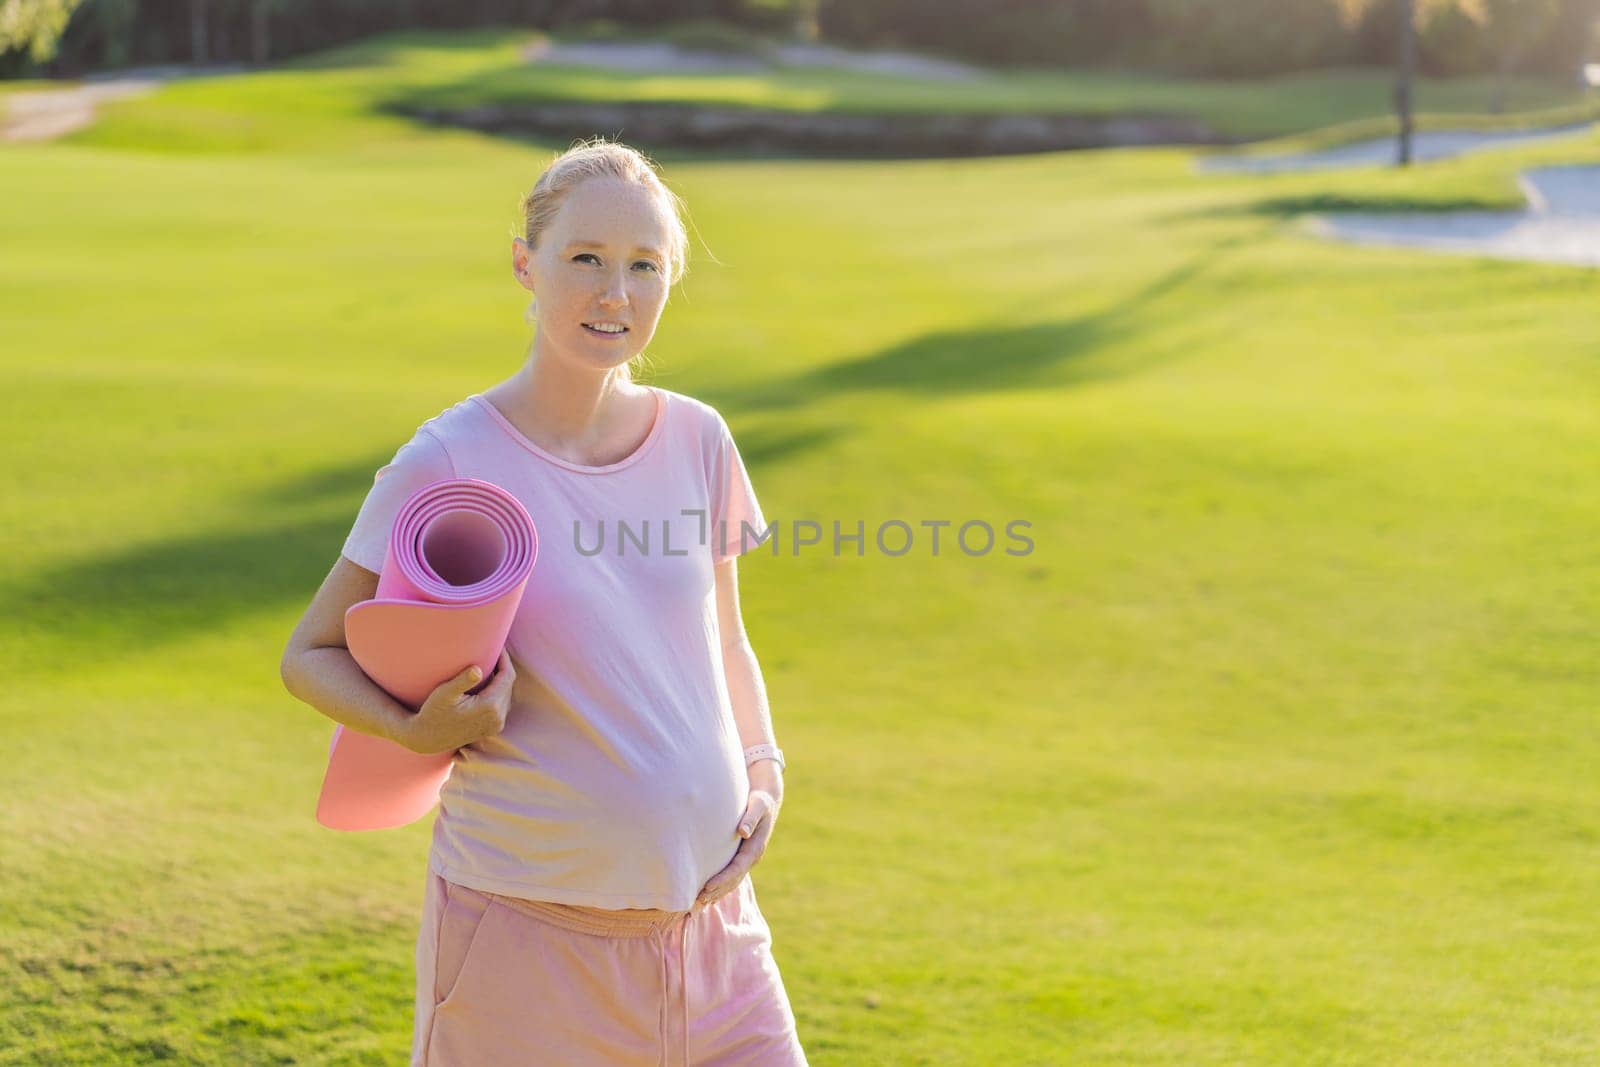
502 980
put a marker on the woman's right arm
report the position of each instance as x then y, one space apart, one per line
317 666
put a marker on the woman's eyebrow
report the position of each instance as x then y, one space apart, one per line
598 244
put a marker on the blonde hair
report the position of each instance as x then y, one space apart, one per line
602 158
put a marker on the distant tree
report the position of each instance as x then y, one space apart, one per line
1200 37
34 26
1375 30
1451 40
1051 33
1548 35
1247 37
805 19
261 12
101 33
1548 38
197 31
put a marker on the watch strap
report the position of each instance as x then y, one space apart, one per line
761 752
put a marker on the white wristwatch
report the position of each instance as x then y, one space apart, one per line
760 752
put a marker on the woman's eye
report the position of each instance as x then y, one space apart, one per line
591 255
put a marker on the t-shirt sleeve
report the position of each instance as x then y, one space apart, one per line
420 461
736 519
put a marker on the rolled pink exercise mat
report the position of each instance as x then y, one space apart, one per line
459 557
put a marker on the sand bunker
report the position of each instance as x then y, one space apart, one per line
1561 223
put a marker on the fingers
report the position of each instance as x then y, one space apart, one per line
747 826
725 881
744 859
756 816
718 886
504 676
729 875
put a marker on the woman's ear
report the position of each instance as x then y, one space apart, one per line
521 254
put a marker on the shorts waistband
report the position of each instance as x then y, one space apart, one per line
607 922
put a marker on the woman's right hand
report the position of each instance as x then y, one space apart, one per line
451 718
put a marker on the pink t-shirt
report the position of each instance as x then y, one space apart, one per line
619 779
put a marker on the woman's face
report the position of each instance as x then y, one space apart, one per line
602 261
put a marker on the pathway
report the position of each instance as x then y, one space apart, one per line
45 114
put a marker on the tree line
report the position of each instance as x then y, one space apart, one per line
1234 38
1219 38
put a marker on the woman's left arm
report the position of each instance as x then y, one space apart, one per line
748 694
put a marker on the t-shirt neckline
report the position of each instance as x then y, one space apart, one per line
550 457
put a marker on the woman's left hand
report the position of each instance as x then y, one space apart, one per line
760 812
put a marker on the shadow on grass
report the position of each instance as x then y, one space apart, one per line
763 446
1378 204
128 602
996 358
667 155
132 601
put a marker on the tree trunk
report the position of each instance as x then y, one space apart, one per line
260 41
1404 77
197 31
1505 65
805 20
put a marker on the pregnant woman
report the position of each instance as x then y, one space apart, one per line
588 899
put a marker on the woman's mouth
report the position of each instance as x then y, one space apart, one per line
610 335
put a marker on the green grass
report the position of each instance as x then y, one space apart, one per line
1387 126
28 85
1235 108
310 103
1277 749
